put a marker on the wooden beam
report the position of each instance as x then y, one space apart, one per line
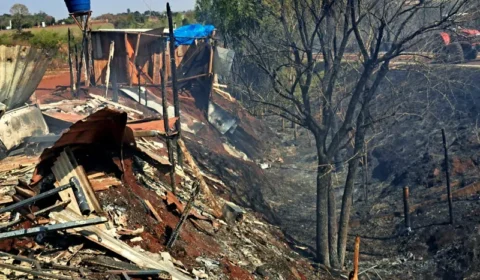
154 212
173 63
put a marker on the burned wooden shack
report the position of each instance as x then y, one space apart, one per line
138 56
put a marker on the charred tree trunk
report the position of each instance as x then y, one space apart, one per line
323 182
332 225
348 191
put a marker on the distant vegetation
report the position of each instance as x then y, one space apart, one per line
148 19
21 18
20 27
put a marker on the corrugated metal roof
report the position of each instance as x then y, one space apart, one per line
21 70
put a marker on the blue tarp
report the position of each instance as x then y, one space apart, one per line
187 34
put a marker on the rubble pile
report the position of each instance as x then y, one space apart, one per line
92 198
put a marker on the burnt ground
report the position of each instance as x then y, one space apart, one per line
406 151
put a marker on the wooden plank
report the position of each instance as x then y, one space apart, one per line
69 103
95 175
154 212
9 182
13 163
220 86
103 184
224 94
25 192
107 241
5 200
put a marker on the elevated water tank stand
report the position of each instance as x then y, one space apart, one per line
83 20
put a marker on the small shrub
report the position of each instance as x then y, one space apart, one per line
22 36
6 39
47 40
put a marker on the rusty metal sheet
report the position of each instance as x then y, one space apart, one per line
21 70
18 124
105 127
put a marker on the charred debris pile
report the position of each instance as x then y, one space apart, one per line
92 185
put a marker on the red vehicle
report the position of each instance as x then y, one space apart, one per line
458 45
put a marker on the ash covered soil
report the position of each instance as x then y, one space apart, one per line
407 150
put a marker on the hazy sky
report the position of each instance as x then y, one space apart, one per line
58 9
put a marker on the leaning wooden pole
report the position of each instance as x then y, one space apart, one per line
185 214
356 258
163 77
406 208
176 103
447 174
110 58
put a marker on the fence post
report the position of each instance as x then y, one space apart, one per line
447 173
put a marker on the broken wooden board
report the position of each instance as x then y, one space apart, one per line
5 200
95 175
17 162
154 212
107 241
102 184
153 155
65 105
66 167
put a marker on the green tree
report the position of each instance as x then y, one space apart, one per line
19 12
234 18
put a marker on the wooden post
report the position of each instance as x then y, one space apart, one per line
76 57
173 64
90 56
79 68
139 76
164 78
447 173
86 55
406 208
70 63
183 218
110 57
356 257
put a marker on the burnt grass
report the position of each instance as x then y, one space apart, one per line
407 150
